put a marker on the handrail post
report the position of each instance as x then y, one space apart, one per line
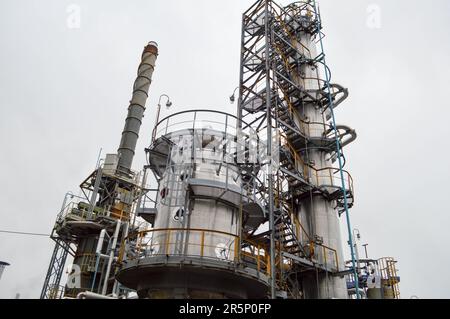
138 243
237 251
167 241
337 260
202 244
121 251
257 259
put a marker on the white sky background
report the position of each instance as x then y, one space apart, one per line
64 94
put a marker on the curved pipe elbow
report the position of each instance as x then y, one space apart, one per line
339 90
349 135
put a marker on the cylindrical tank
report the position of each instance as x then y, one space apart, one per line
195 249
178 211
85 259
374 293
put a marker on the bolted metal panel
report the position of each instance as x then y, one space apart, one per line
136 109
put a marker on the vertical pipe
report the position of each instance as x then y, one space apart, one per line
158 112
339 152
111 257
92 201
98 253
116 287
269 156
241 76
141 195
136 109
61 212
356 252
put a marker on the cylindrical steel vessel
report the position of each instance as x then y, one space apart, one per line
316 213
202 208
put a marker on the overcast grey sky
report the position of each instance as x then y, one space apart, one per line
64 94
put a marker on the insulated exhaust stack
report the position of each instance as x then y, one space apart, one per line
136 109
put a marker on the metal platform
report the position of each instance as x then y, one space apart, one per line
167 272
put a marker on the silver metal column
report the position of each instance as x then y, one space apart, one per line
136 109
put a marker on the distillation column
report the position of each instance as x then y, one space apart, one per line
279 58
318 213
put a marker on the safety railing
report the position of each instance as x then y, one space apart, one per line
55 292
79 209
330 177
319 253
294 115
325 256
201 243
325 177
321 256
87 262
201 120
307 128
290 35
205 136
389 275
300 165
134 176
300 10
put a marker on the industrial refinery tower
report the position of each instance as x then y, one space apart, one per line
92 227
245 206
287 93
285 88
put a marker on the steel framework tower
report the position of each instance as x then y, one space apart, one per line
285 91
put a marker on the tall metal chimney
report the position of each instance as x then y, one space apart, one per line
136 109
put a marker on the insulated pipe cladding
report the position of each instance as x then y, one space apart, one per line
136 109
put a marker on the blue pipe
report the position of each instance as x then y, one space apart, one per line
339 152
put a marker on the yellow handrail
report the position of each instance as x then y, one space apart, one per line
290 35
250 250
314 173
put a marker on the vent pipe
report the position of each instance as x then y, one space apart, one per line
136 109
